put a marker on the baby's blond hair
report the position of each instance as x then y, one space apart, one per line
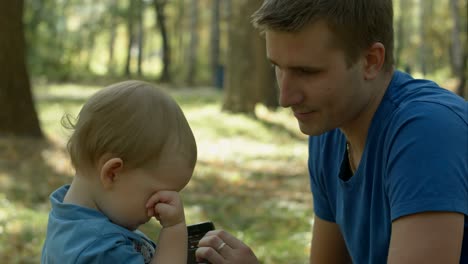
133 120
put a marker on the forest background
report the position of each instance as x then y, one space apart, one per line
252 177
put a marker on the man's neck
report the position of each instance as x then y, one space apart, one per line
356 130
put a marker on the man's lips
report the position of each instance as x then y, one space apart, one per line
302 115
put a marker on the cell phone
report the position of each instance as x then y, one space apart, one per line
195 233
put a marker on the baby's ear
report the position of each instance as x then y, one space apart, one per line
109 171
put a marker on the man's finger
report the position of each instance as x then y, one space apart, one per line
208 254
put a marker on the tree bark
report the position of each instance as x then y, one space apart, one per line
37 7
130 33
422 35
458 59
159 6
90 48
268 91
18 116
193 48
401 33
243 67
111 47
141 33
179 27
215 35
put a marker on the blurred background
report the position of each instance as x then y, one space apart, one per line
252 177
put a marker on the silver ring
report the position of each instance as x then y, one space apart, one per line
221 246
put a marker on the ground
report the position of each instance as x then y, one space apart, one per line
251 178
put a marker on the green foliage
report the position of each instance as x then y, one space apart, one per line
426 38
70 40
251 177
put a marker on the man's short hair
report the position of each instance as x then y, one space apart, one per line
355 24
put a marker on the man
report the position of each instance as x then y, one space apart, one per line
387 153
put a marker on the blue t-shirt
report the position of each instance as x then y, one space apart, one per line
415 160
81 235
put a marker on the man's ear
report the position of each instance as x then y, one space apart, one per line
374 60
109 171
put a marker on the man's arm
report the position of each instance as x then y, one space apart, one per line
431 237
328 245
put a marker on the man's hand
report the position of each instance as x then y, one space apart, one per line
167 207
220 247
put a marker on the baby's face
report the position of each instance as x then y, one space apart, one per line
125 204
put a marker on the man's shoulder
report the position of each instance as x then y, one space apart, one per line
407 93
438 110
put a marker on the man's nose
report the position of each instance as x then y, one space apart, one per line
289 92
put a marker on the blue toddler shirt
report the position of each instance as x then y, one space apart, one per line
81 235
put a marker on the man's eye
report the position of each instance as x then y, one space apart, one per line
307 71
304 71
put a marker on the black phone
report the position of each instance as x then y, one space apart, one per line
195 233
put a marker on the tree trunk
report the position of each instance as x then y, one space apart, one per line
159 6
267 90
215 35
141 34
111 47
180 32
90 48
193 48
130 33
401 33
458 66
18 116
422 36
242 71
37 7
463 87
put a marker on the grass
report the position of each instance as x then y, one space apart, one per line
251 178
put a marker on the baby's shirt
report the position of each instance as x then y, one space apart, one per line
77 234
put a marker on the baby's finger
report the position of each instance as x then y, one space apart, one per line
150 211
153 200
167 196
163 208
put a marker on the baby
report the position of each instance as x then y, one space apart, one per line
133 151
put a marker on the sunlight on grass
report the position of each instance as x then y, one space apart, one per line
251 178
6 180
21 233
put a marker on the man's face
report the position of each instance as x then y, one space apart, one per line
314 80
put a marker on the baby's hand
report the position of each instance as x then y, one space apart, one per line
167 207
